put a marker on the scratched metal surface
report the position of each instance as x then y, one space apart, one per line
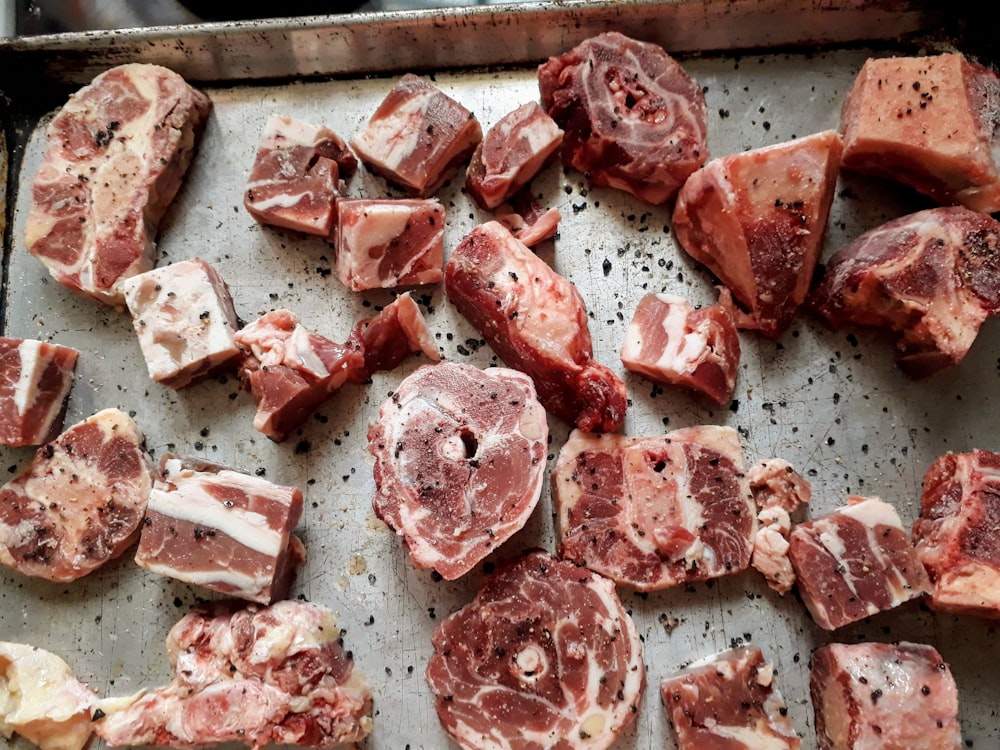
830 402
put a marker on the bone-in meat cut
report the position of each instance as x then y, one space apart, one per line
116 155
545 656
757 220
459 457
880 696
633 118
536 321
35 379
931 277
655 512
254 676
80 501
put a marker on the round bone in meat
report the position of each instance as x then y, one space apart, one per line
544 657
459 457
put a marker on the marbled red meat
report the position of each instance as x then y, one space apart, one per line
728 702
633 118
459 457
654 512
778 490
115 157
929 122
855 562
670 341
757 220
958 533
386 243
254 676
536 321
35 379
544 658
218 528
512 153
417 137
933 277
79 503
879 696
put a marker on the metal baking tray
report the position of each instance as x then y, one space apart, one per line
830 402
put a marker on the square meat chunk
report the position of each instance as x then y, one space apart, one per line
855 562
388 243
956 534
655 512
35 379
185 321
930 123
729 701
295 180
221 529
417 137
885 696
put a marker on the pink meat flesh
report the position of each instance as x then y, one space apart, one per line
778 490
35 380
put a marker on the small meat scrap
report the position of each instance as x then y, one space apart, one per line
757 220
417 137
545 656
855 562
634 119
655 512
956 534
778 491
115 157
532 229
80 501
41 700
512 153
35 379
185 321
536 321
219 528
670 341
295 179
930 123
728 701
929 277
388 243
887 696
255 675
459 457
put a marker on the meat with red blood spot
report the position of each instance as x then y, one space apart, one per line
545 656
35 380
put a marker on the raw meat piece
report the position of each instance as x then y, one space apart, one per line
227 531
116 155
855 562
295 180
654 512
536 321
545 656
877 696
185 321
634 120
512 153
41 700
956 534
542 228
757 221
932 276
35 379
387 243
255 676
778 490
669 341
930 123
79 503
728 702
290 371
417 137
459 457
